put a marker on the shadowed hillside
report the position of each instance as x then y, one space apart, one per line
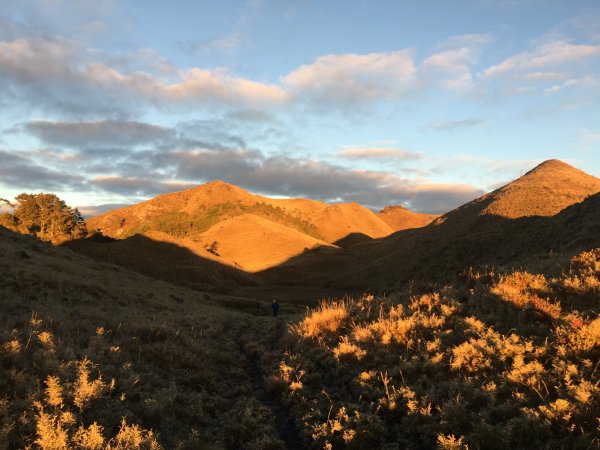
160 256
95 356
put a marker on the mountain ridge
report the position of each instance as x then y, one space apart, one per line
474 234
253 232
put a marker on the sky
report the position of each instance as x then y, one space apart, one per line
423 103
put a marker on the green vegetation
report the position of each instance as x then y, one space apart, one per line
181 224
491 362
45 216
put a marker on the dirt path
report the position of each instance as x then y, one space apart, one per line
284 423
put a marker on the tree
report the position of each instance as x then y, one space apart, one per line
212 248
7 220
48 217
3 200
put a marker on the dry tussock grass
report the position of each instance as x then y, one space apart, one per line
525 291
114 360
325 319
488 362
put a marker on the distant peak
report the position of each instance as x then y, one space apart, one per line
220 185
391 208
552 164
543 191
216 183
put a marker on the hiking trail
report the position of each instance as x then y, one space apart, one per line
284 422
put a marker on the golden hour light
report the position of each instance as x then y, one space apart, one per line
265 225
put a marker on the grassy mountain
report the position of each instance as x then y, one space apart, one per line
544 191
401 218
529 216
226 224
191 212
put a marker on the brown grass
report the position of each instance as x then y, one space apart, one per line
464 366
400 218
544 191
523 224
114 360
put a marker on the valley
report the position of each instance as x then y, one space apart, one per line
476 328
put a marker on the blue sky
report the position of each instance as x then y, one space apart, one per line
422 103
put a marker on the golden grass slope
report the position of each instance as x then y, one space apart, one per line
116 222
252 243
339 220
400 218
504 227
544 191
489 361
330 222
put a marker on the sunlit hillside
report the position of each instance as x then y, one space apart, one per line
400 218
551 209
489 361
224 223
479 330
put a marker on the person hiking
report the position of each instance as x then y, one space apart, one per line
275 307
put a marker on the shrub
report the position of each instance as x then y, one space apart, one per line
326 319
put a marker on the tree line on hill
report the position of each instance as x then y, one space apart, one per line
45 216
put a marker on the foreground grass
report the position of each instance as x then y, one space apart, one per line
493 361
92 356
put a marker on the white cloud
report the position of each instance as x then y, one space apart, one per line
137 186
550 54
98 133
466 40
590 138
57 74
377 153
88 211
451 125
200 84
545 76
451 67
559 87
227 44
354 78
35 59
437 198
302 177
